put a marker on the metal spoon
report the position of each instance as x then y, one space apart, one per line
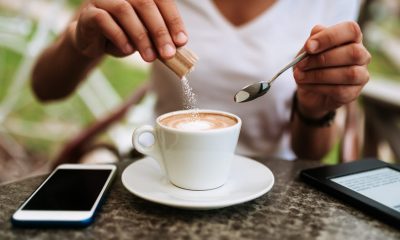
255 90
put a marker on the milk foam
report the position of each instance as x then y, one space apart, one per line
204 121
195 125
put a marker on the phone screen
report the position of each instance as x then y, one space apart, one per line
69 190
381 185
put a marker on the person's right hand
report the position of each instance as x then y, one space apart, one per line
120 27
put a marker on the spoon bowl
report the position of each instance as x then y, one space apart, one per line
252 91
256 90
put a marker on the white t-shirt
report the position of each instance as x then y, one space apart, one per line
231 57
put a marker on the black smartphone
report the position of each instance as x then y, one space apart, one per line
370 185
69 197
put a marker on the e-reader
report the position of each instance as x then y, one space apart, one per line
370 185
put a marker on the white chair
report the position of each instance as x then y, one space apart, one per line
96 93
19 34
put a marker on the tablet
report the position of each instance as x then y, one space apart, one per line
370 185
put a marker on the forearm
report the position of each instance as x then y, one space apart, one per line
60 68
311 142
313 132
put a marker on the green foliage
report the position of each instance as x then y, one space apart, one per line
333 156
8 62
75 3
123 77
381 65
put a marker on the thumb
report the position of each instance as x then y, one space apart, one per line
316 29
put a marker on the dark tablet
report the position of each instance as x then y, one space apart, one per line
370 185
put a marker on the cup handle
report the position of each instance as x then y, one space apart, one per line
152 150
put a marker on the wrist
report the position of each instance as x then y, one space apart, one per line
308 111
311 117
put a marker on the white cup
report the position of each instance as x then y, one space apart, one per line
192 159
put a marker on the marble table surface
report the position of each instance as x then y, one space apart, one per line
291 210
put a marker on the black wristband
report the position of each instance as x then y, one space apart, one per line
324 121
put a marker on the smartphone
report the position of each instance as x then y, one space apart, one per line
69 197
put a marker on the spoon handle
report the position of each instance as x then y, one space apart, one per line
291 64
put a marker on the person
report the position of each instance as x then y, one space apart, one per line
238 43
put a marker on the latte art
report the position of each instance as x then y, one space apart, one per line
204 121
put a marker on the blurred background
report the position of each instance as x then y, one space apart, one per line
31 134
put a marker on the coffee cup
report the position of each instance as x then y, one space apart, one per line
194 148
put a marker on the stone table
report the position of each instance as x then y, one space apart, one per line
291 210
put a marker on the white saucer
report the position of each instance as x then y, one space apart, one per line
248 180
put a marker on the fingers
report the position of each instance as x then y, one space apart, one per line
173 20
156 27
100 20
342 33
341 94
152 26
349 75
346 55
335 70
124 13
314 30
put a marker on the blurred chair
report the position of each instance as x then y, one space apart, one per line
381 100
14 35
20 34
101 99
79 145
26 29
353 138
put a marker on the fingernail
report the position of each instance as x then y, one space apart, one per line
313 45
181 37
168 50
149 54
128 48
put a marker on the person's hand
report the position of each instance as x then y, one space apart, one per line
336 70
120 27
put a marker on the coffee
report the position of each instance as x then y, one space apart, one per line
204 121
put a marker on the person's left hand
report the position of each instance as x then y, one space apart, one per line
335 72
